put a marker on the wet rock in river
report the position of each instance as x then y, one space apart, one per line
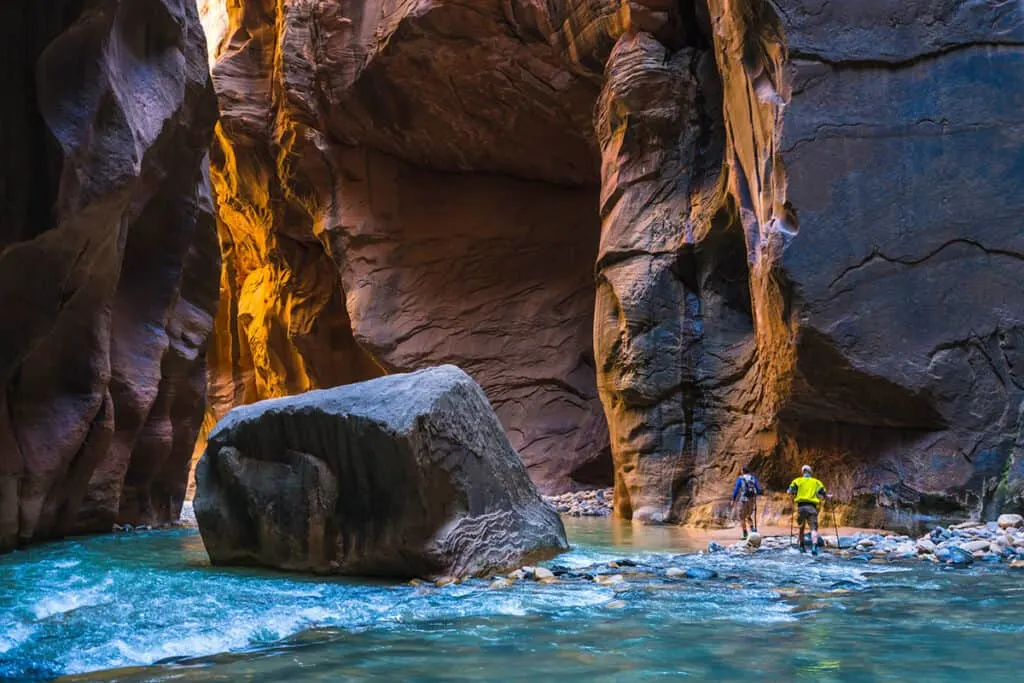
542 574
405 475
1008 521
975 546
958 555
700 573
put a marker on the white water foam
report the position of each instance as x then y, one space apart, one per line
67 601
15 636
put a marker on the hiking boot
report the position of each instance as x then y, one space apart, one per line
744 537
803 548
814 551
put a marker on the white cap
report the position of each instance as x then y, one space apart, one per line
805 468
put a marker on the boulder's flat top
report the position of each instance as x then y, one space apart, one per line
393 399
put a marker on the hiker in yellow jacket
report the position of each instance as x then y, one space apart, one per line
806 491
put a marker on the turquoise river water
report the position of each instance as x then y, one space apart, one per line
147 606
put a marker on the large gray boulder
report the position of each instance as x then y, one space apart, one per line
407 475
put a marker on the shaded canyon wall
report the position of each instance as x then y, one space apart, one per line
694 234
108 262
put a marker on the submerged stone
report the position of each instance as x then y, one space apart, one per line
405 475
700 573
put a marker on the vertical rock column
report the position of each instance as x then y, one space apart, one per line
647 323
108 262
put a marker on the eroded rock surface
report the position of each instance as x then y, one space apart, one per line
108 262
409 475
803 217
413 184
875 168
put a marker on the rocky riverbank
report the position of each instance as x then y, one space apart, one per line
962 544
590 503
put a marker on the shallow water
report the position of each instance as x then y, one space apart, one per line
128 601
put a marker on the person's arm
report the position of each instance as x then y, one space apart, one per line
757 486
823 492
792 488
736 490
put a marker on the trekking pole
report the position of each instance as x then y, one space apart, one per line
835 525
791 528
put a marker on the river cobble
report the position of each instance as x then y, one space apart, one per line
1001 541
590 503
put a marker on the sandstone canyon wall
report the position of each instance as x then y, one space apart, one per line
108 262
798 219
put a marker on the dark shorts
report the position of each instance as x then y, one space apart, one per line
807 513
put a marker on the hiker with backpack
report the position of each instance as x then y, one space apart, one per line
807 493
746 491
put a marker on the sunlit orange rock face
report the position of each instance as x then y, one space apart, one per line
108 262
408 184
693 234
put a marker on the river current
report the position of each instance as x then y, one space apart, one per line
148 606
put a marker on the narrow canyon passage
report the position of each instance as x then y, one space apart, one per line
669 238
452 183
734 321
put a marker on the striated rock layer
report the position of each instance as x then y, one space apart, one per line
803 217
409 475
108 262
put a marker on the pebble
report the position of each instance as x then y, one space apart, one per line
976 546
675 573
447 581
542 574
1010 521
609 579
966 525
